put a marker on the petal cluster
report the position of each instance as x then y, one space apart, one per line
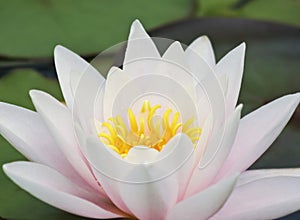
70 167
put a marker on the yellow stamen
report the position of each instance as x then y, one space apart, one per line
154 134
132 120
187 124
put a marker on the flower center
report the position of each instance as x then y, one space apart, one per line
145 129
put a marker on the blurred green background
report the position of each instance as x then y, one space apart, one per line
30 30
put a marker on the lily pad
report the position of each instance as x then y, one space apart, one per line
269 10
32 28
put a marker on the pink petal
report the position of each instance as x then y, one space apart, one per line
256 133
53 188
70 67
204 204
232 65
205 173
58 119
26 131
263 194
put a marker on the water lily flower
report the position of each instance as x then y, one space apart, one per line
160 138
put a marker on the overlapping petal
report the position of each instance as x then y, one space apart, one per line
121 180
139 46
263 194
202 46
256 133
70 67
26 131
231 67
58 119
55 189
203 175
204 204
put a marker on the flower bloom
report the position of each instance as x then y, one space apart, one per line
160 138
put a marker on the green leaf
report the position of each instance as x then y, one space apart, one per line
15 86
270 10
284 151
215 7
32 28
286 11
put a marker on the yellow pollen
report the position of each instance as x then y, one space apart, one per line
145 129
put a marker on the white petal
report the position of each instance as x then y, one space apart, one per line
70 68
88 100
212 100
197 64
203 47
204 137
139 46
51 187
175 53
175 66
184 173
232 65
58 119
141 154
256 133
263 194
153 200
116 80
204 175
147 182
26 131
204 204
145 87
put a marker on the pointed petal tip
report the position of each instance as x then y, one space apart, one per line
61 51
9 167
295 97
174 48
136 24
5 167
239 107
33 92
58 49
203 38
137 31
177 45
240 48
113 69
